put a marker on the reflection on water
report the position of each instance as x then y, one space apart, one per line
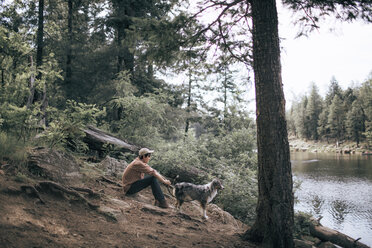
337 188
316 204
339 210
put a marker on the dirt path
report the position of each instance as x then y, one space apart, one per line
66 222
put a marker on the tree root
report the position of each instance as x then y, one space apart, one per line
107 180
55 186
73 191
90 192
32 191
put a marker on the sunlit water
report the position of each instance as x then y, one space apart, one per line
338 188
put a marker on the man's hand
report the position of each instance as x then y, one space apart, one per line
167 182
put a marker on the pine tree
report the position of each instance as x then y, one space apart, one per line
323 127
313 110
336 119
355 122
333 90
365 97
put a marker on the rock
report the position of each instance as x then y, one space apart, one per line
113 167
53 165
303 244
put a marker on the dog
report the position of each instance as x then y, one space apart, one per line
204 194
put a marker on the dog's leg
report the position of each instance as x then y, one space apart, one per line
204 207
179 204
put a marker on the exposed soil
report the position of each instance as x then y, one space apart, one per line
64 220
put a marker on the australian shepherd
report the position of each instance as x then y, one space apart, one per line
201 193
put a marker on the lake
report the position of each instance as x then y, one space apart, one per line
337 187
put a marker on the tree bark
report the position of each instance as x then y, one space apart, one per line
96 138
274 224
188 109
69 48
32 85
40 37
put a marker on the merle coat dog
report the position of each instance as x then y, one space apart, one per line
201 193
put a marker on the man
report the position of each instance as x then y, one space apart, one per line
135 181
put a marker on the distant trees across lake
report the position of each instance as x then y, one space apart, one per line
340 115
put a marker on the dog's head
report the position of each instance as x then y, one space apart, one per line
216 183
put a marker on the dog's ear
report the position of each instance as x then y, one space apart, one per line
217 182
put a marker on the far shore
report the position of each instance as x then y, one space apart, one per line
298 145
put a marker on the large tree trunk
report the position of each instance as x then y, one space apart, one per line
274 223
32 85
188 109
69 45
40 37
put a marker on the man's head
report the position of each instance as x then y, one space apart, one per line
145 153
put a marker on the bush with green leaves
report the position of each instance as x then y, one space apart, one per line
180 158
66 127
302 222
19 122
241 190
230 158
11 149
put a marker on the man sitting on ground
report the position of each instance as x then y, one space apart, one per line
135 181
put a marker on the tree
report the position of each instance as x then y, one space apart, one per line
229 88
355 122
303 118
336 119
365 97
323 128
313 110
333 90
274 224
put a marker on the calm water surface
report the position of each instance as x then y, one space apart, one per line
337 187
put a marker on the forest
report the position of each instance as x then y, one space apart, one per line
343 115
68 64
172 75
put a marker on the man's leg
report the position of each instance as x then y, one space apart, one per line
144 183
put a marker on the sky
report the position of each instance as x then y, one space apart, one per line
344 53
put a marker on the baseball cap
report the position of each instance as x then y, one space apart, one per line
144 151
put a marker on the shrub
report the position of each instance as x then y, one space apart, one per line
66 129
11 149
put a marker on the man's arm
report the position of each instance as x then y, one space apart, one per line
145 168
161 178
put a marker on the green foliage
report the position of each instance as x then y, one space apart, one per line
313 110
177 158
341 115
11 149
230 157
67 126
355 122
302 225
336 118
20 122
240 189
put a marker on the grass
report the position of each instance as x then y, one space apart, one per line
12 149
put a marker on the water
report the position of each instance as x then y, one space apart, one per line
338 188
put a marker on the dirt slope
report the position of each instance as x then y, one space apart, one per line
64 220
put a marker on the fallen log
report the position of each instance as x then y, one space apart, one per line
335 237
96 139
